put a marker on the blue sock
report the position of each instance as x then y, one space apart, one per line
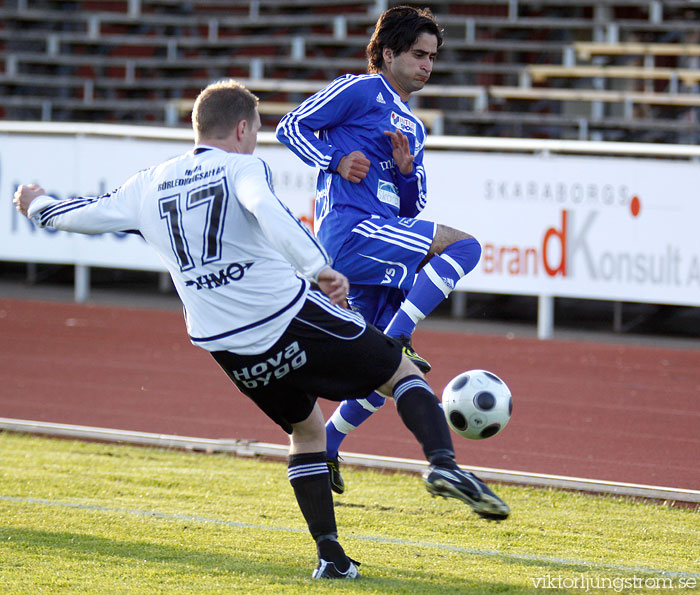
433 284
347 417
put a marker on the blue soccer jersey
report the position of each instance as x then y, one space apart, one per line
351 114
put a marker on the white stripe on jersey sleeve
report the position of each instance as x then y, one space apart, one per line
422 198
281 228
290 127
112 212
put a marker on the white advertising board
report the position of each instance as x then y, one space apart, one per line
608 228
570 226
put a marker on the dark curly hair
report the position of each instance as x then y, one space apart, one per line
397 29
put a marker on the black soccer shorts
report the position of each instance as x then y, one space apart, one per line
326 352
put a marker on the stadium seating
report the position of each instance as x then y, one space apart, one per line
605 69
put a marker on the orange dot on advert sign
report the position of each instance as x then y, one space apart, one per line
635 206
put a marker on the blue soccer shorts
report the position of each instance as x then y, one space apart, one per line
385 251
376 304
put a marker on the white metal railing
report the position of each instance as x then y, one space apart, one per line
464 143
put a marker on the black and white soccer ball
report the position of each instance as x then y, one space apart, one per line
477 404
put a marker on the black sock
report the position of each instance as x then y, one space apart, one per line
308 474
421 413
329 549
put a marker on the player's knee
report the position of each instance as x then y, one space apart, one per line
406 368
445 236
309 435
465 254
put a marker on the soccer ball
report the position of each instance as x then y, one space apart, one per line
477 404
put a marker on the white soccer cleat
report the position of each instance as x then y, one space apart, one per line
326 569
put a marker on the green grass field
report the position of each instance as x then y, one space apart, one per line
92 518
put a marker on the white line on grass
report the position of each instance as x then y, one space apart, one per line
377 539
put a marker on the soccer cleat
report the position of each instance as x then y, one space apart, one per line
326 569
410 353
467 487
337 483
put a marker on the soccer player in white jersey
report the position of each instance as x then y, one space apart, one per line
371 185
242 265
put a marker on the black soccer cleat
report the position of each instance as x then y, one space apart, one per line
337 483
407 349
326 569
467 487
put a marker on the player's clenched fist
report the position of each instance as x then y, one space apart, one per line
354 167
24 195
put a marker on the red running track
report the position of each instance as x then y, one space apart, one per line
583 409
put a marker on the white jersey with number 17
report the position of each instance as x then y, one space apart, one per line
232 247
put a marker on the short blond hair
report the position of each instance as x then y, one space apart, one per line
220 107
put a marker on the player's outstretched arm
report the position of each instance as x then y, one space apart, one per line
335 285
111 212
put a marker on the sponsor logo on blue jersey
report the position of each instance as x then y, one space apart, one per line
388 193
402 123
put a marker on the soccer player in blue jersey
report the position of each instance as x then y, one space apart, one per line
371 185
